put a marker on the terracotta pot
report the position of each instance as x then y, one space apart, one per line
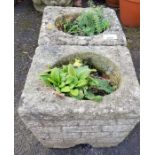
112 3
130 12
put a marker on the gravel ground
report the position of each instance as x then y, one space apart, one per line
27 25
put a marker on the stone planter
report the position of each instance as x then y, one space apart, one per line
41 4
49 33
65 122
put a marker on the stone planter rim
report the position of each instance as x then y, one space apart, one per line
71 103
111 36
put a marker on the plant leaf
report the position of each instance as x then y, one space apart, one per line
92 97
65 68
82 83
62 85
45 78
55 76
71 70
72 85
63 76
103 85
93 81
65 89
83 72
81 94
71 79
74 92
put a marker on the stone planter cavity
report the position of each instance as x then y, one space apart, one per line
65 122
49 33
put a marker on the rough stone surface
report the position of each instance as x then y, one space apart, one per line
41 4
50 34
63 123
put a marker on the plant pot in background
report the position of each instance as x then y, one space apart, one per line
112 3
130 12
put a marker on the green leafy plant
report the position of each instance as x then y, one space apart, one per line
91 3
87 23
77 80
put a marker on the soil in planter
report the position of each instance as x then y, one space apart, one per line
80 79
87 23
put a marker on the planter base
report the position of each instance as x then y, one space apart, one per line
65 122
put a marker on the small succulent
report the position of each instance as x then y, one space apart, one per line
87 23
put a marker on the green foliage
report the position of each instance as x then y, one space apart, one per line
91 3
77 80
87 23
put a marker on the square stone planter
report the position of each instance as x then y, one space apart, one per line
62 122
41 4
50 34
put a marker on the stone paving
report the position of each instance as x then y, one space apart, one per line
27 25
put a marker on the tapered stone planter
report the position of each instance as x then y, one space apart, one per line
62 122
41 4
49 33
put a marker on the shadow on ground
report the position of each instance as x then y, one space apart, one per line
27 25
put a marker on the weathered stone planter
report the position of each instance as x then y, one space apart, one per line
50 34
41 4
65 122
